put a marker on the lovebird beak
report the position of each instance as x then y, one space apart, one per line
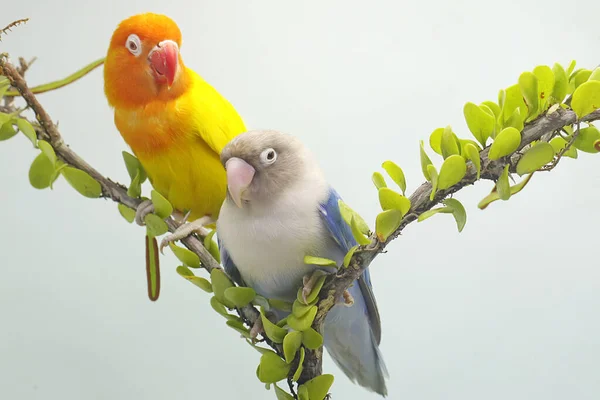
164 60
239 177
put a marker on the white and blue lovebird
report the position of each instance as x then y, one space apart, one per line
278 209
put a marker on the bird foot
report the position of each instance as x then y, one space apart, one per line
146 207
256 329
186 230
308 283
348 299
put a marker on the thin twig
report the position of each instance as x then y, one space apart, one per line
13 24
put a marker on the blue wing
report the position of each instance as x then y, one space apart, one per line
342 234
229 265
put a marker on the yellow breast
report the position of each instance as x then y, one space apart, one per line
179 142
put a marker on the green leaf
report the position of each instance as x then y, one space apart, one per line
453 170
218 307
134 167
358 236
202 283
396 173
273 332
212 246
503 185
378 180
435 140
187 257
302 393
82 182
239 296
449 143
312 339
559 92
517 119
430 213
162 207
480 123
472 154
545 85
558 143
319 386
324 262
506 142
220 282
280 305
348 256
513 100
184 271
7 131
261 302
298 372
586 138
47 150
425 161
391 200
126 212
316 288
458 212
40 172
239 327
495 108
152 269
570 68
282 394
299 309
595 76
579 77
291 344
155 226
135 188
348 213
304 322
528 83
27 129
386 224
586 98
434 180
493 196
536 157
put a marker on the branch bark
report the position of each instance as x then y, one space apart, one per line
545 126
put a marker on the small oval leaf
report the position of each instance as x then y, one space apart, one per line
391 200
348 213
434 180
312 339
7 131
162 207
47 150
558 144
472 154
348 256
239 296
586 138
528 83
187 257
300 368
291 344
41 172
273 332
449 143
319 386
458 212
304 322
324 262
27 129
586 98
155 226
480 123
220 282
536 157
425 161
396 173
452 171
126 212
505 143
378 180
82 182
386 224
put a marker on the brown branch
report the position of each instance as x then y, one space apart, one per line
545 126
13 24
420 202
48 131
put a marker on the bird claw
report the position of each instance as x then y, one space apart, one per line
256 329
308 283
146 207
186 230
348 299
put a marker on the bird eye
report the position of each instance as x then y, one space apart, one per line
268 156
134 45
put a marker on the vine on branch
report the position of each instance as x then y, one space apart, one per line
531 127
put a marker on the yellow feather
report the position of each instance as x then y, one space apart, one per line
179 141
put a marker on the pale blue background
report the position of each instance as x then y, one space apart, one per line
506 310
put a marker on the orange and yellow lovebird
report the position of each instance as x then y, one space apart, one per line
175 123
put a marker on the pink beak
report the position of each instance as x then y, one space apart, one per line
239 177
164 59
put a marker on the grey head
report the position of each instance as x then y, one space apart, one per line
261 164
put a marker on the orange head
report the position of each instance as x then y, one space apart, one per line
143 61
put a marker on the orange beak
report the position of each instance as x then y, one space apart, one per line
164 60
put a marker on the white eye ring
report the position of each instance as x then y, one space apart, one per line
134 45
268 156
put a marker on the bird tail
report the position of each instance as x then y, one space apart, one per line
351 343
